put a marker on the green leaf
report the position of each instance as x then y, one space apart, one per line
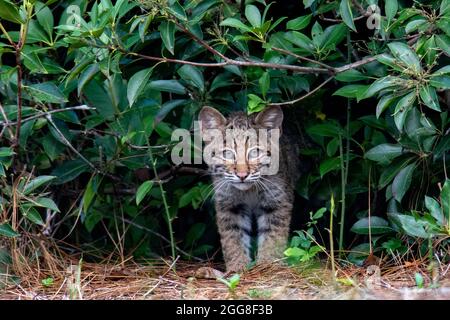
409 225
440 82
384 153
332 147
90 192
300 40
299 23
7 231
429 97
255 104
390 8
173 86
167 30
404 53
444 25
167 107
295 252
384 103
177 10
329 129
100 99
359 254
45 17
32 214
402 108
445 199
47 203
143 190
328 165
193 76
351 91
442 71
415 24
264 83
253 15
435 209
86 76
380 84
444 9
345 9
377 226
443 42
136 84
333 35
391 171
47 282
46 92
235 23
6 152
351 75
36 183
69 170
402 182
10 12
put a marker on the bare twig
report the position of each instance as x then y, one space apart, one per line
302 97
44 114
356 64
71 147
159 235
330 68
7 123
68 144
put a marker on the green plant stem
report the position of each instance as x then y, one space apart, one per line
18 53
6 34
166 206
333 267
345 164
341 223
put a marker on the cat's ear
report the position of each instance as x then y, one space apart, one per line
211 118
270 118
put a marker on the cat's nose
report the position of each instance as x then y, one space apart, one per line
242 175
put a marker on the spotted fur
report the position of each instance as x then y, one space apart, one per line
249 204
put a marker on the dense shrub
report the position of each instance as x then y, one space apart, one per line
91 91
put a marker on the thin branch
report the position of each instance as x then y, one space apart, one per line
330 68
71 147
228 61
44 114
302 97
134 224
322 17
15 143
68 144
356 64
161 59
7 123
7 35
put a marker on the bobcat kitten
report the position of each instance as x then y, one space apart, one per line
248 203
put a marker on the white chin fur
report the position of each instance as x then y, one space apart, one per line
242 186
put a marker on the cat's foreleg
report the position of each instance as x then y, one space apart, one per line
273 233
235 237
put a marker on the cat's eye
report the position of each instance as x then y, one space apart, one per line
228 154
255 153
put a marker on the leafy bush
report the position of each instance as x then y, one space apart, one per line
92 91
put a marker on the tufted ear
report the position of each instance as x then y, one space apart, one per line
211 118
270 118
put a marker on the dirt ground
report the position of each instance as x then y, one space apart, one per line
163 280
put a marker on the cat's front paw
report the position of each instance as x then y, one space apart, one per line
236 267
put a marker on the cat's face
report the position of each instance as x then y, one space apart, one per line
239 145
